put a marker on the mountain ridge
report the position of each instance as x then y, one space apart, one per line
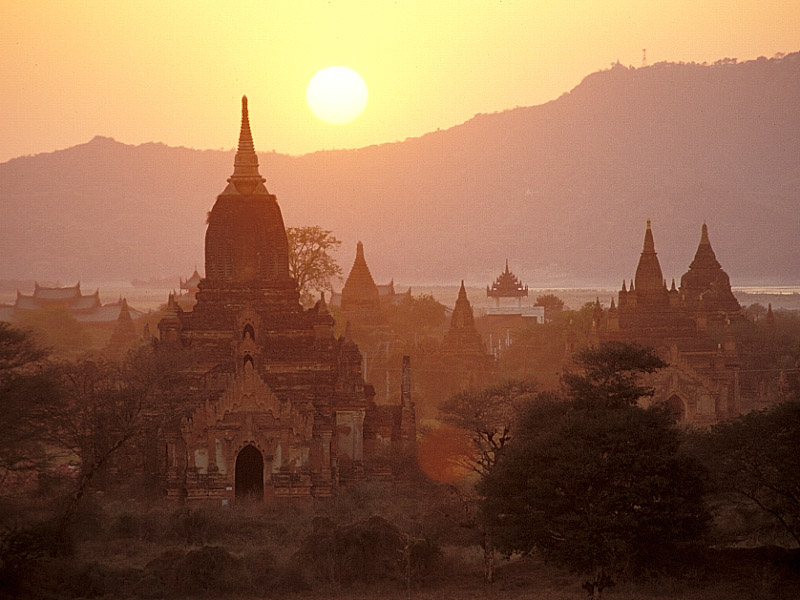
561 189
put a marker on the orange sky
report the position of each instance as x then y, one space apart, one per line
173 71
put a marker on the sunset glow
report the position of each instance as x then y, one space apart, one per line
169 72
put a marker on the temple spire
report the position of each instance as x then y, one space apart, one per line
649 244
245 166
648 272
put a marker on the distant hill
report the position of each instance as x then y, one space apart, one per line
562 190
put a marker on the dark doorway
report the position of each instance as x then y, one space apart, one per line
675 404
250 474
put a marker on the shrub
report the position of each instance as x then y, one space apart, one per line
368 551
210 569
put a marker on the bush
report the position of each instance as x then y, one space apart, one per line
366 552
210 569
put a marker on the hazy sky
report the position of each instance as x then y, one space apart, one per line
173 71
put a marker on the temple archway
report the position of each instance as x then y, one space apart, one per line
675 405
249 483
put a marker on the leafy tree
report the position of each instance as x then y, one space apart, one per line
310 260
416 314
552 304
610 376
755 459
593 482
541 350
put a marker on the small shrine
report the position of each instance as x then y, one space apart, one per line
507 285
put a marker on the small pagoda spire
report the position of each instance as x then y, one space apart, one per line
245 165
673 288
323 307
462 292
769 319
649 244
624 288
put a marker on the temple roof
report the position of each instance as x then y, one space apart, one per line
463 336
360 290
246 237
705 258
506 286
705 285
648 272
70 297
245 165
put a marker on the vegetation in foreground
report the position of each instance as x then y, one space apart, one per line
569 489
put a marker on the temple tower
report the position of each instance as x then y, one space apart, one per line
462 336
705 286
285 401
360 292
651 291
246 238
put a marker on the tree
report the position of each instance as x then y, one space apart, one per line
54 327
611 374
596 484
27 382
416 314
106 407
488 417
552 305
755 460
310 260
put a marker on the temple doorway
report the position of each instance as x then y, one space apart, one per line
249 482
675 404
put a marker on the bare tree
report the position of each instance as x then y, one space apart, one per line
310 261
489 416
104 407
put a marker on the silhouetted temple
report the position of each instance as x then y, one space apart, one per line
360 293
689 326
462 337
507 286
463 358
85 308
290 414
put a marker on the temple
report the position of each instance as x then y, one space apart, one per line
85 308
689 326
360 293
288 413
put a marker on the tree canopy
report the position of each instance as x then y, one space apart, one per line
592 481
609 375
311 263
755 459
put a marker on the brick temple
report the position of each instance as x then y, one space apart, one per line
289 413
690 327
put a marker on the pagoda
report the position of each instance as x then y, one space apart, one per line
360 294
287 411
507 286
701 383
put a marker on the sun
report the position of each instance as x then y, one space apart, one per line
337 95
